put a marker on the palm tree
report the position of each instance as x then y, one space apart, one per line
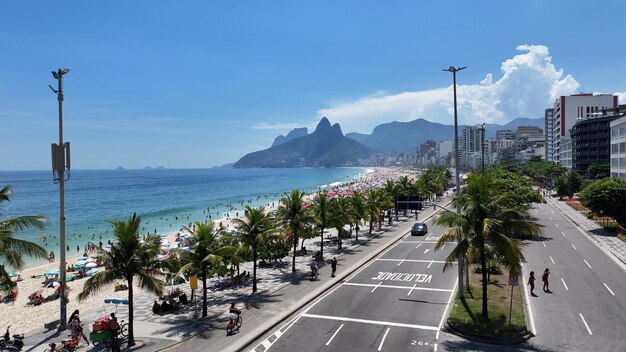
372 205
293 217
341 214
129 257
207 252
254 228
403 188
488 216
12 249
390 194
359 211
321 209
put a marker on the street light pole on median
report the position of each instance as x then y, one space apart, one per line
60 162
454 70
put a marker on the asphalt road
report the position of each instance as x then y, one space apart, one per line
586 310
395 302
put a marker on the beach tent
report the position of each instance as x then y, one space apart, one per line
12 274
52 272
91 272
91 265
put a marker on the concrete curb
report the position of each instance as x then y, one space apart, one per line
321 290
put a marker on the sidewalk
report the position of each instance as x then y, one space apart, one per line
280 293
609 242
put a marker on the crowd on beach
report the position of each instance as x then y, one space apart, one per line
34 281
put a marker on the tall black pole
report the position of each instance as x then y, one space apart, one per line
454 70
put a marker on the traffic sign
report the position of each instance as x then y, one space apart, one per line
513 279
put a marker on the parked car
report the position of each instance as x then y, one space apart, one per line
419 229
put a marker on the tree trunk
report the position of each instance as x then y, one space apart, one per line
357 232
483 264
131 333
204 294
389 214
322 243
467 278
254 257
371 225
295 245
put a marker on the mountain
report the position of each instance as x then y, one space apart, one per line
325 147
295 133
406 136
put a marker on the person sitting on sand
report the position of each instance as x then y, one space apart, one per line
156 307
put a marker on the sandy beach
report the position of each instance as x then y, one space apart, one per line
24 317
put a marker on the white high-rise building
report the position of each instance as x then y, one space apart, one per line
549 133
470 143
566 110
618 148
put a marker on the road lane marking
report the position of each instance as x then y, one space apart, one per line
395 286
442 247
418 245
435 347
411 290
448 305
426 251
584 322
332 337
587 263
380 347
607 287
574 247
549 218
563 281
544 244
431 263
402 261
376 286
552 260
557 225
552 211
371 322
563 233
413 260
409 242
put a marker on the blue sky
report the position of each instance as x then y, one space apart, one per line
201 83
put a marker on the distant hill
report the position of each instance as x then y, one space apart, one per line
405 136
325 147
295 133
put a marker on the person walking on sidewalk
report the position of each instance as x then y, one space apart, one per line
544 278
333 266
531 282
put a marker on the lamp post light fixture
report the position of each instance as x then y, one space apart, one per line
454 70
61 162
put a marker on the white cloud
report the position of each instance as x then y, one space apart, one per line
529 83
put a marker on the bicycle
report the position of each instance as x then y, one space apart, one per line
53 348
233 324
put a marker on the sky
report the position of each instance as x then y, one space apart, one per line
196 84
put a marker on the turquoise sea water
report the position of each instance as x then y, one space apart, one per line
165 199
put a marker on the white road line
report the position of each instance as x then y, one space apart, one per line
552 211
266 344
574 247
413 260
332 337
552 260
394 286
372 322
544 244
405 242
435 347
563 281
431 263
607 287
376 286
549 218
557 225
442 247
418 245
411 290
402 261
380 347
584 322
445 312
563 233
587 263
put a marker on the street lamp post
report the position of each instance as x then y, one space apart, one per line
60 162
454 70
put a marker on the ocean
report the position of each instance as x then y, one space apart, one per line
166 199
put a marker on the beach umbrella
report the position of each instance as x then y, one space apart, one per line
91 265
12 274
52 272
91 272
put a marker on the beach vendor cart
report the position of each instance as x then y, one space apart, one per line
101 332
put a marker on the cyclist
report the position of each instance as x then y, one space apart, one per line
314 268
233 313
